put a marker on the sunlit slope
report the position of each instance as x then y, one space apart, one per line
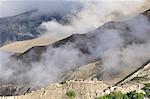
22 46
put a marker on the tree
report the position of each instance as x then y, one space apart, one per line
71 94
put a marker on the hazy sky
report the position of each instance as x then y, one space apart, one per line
13 7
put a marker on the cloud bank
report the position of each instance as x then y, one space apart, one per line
94 14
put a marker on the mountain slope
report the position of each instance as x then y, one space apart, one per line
23 26
86 44
23 46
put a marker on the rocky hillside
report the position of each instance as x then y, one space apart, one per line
84 43
24 26
86 89
142 74
91 37
127 79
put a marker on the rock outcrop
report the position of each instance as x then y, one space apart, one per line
83 89
14 90
140 75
